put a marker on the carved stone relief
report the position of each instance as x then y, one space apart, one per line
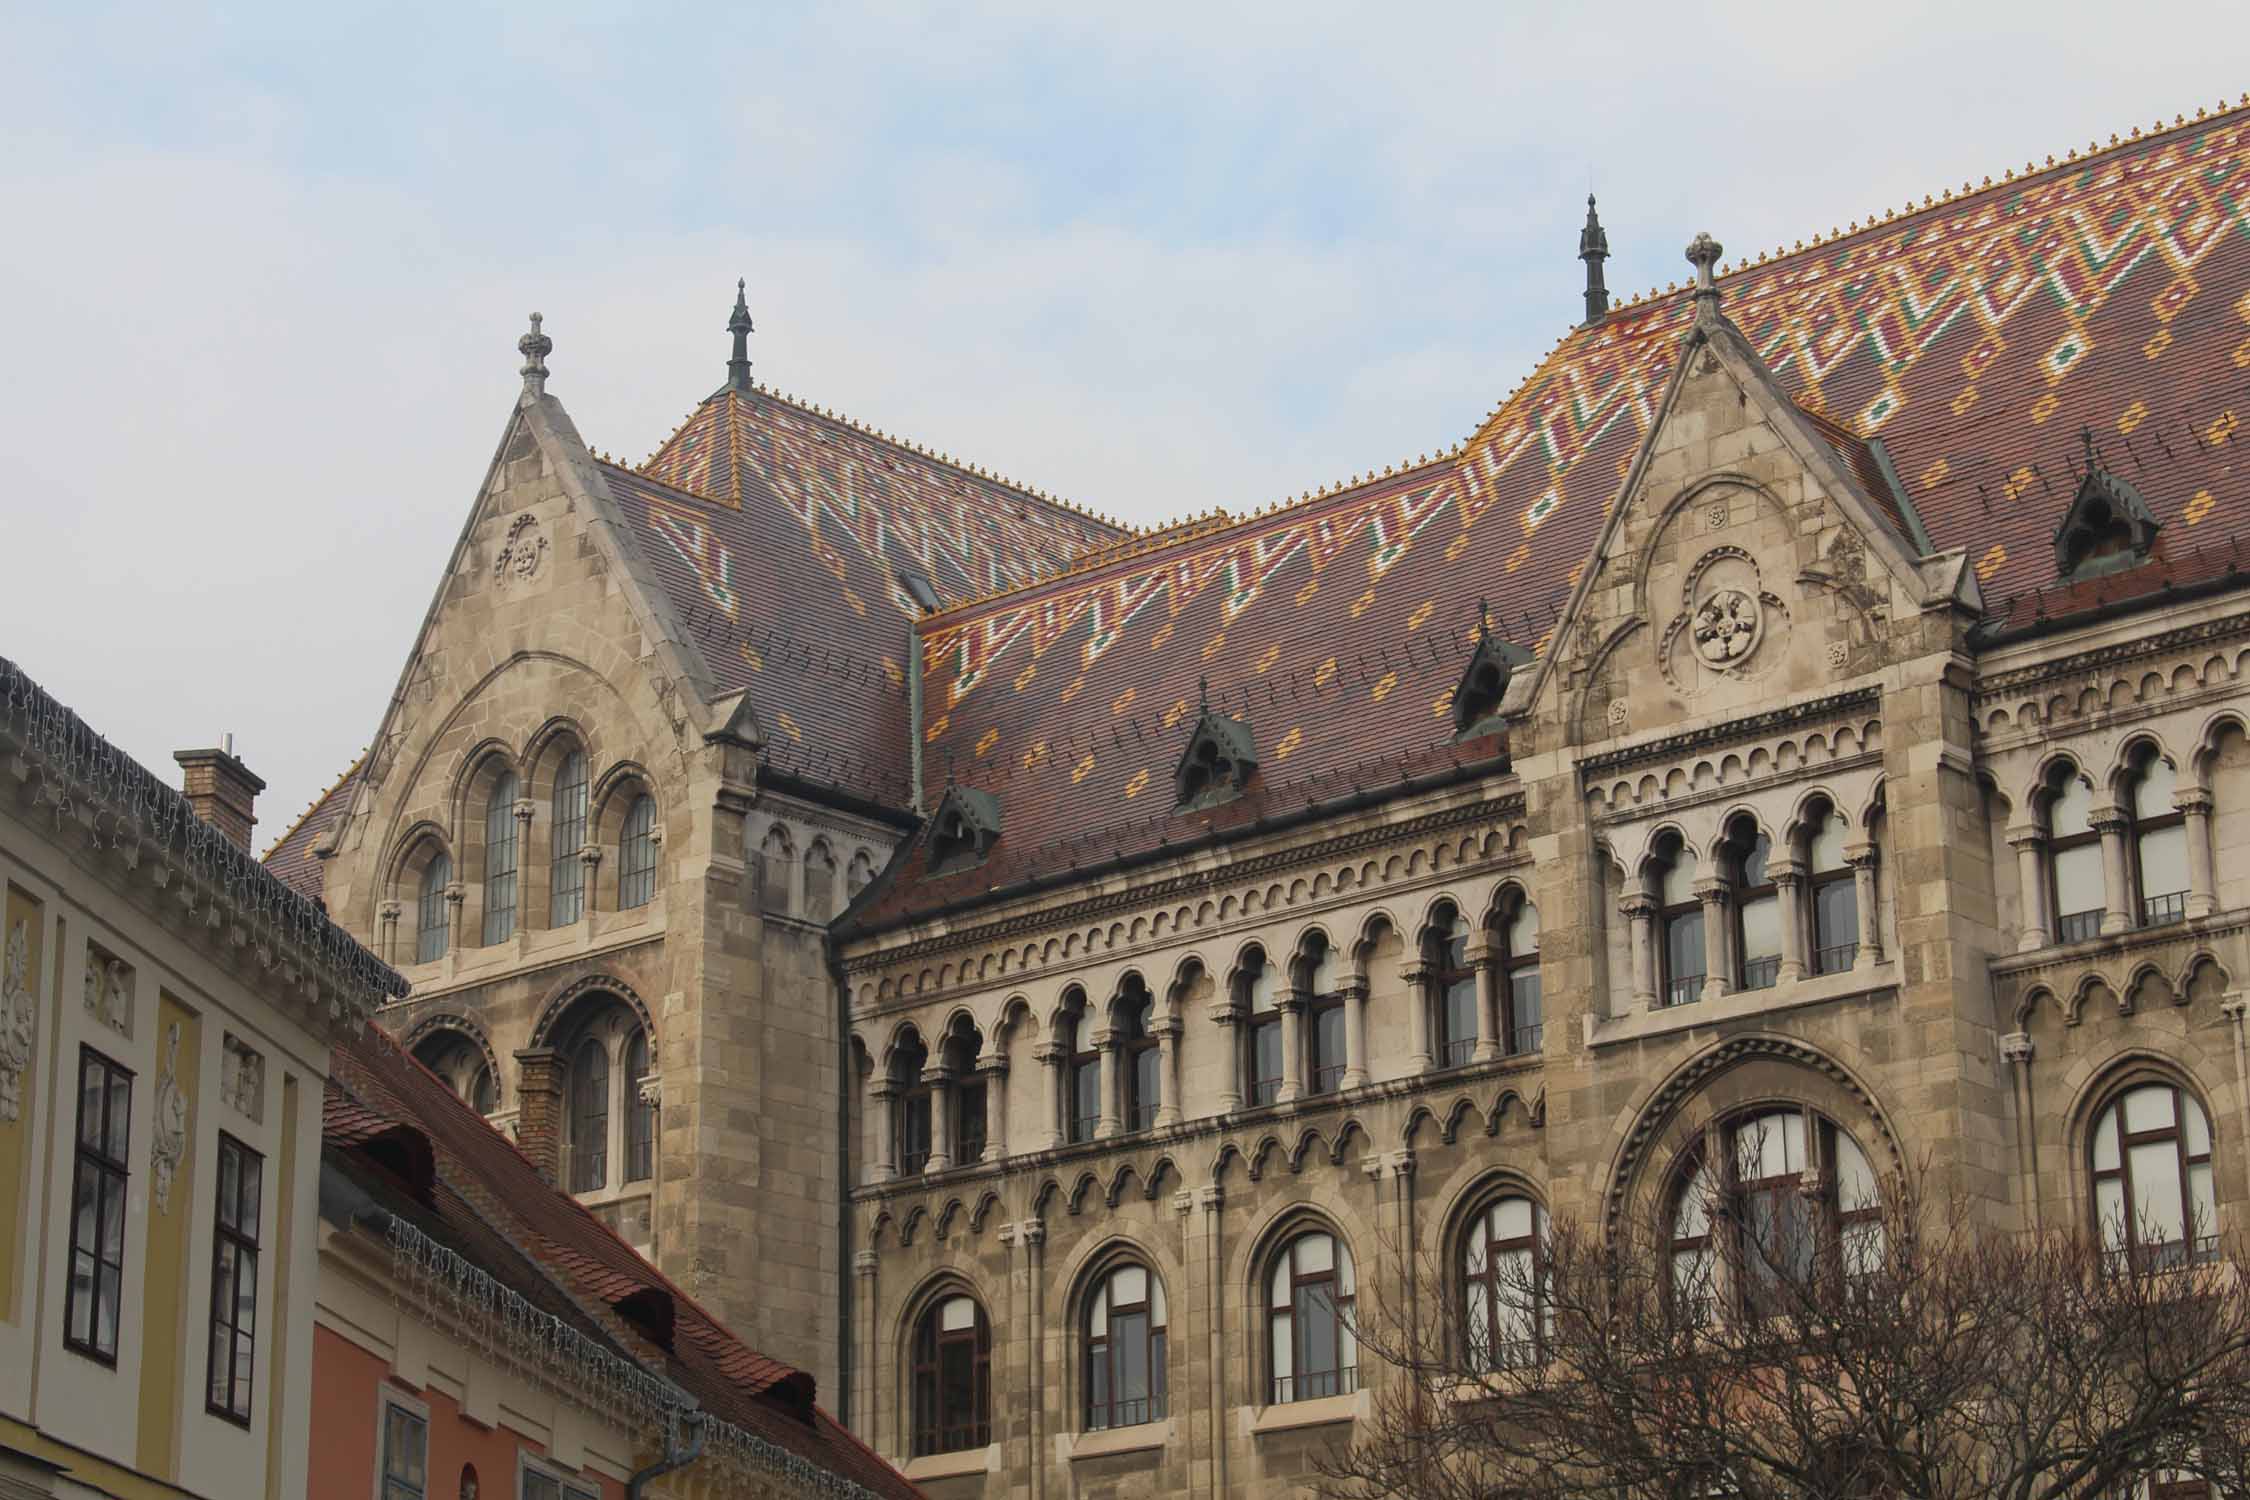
520 556
109 991
1726 615
19 1018
170 1142
242 1078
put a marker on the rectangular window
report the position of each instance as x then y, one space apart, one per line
234 1280
1265 1060
914 1132
1085 1098
1328 1048
538 1484
968 1135
566 901
1526 1012
1836 926
406 1454
1683 958
1459 1020
97 1221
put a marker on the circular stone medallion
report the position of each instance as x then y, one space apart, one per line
1726 628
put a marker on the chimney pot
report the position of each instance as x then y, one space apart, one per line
222 790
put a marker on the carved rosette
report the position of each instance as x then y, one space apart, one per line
19 1019
171 1131
523 552
1725 617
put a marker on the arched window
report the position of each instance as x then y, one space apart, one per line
952 1378
500 861
1792 1199
636 854
460 1064
1322 978
640 1115
1125 1350
566 880
1519 979
1453 984
964 1044
2160 856
1142 1056
433 915
1308 1319
589 1116
860 873
1504 1284
1085 1076
820 882
2074 857
1757 907
1833 892
777 871
912 1109
2153 1198
1261 1045
1679 924
484 1090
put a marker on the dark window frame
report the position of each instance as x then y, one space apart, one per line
234 1246
566 880
935 1427
1259 1028
1447 953
1302 1384
111 1176
502 860
1487 1284
1137 1047
2071 926
640 1115
1832 952
1675 988
1730 1218
1754 859
433 917
393 1485
1104 1361
589 1158
1324 1074
972 1101
2197 1244
636 854
2158 908
1520 981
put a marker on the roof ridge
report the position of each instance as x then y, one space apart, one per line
314 806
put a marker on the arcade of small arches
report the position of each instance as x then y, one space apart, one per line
1773 1184
816 886
523 846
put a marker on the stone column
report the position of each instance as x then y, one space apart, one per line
1639 909
1484 956
2030 843
862 1414
388 915
1862 857
1417 977
939 1081
1210 1200
885 1094
1106 1059
1292 1046
531 874
1718 937
589 856
2194 804
1032 1235
1227 1018
1055 1058
2235 1006
2117 873
1788 878
994 1072
2015 1046
456 906
1355 1033
539 1124
1167 1072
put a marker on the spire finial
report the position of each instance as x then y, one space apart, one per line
1593 248
2093 454
1703 253
1203 689
535 347
738 367
1484 619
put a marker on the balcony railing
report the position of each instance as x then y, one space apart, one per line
1082 1127
2078 926
2164 910
1457 1052
1526 1039
1684 989
1835 958
2198 1250
912 1160
1328 1078
1126 1412
1314 1384
1761 973
1264 1090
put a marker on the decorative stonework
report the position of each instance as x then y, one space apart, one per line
521 555
1727 626
170 1143
1620 717
109 991
242 1078
1724 617
19 1018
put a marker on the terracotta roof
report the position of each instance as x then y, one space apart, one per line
1974 338
490 1201
291 857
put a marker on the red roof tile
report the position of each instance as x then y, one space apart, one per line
291 857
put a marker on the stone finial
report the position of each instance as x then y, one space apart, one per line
535 347
1703 253
1593 249
738 365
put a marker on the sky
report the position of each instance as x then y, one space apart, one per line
266 265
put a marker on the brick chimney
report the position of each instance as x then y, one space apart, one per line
539 1109
222 790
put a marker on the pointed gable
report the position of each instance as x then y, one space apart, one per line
2108 526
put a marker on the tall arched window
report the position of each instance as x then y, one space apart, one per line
964 1044
1791 1199
1833 892
777 871
2074 857
566 877
640 1115
1085 1076
1679 925
1323 981
1125 1350
1453 984
1504 1284
2160 855
1308 1319
484 1090
912 1108
2153 1198
1519 979
952 1377
1142 1056
1757 907
1261 1043
636 855
589 1116
433 915
500 861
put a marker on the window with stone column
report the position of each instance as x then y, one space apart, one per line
820 882
951 1376
1452 982
427 871
501 847
2151 1168
1680 936
1831 890
1757 905
1140 1054
1523 1018
1258 1000
567 835
2077 892
1320 976
636 853
959 1098
2158 839
911 1125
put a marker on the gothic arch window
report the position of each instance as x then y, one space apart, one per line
970 1101
433 914
1311 1350
910 1058
1453 984
859 875
820 882
1321 975
1773 1204
1260 1000
1525 1023
1832 890
777 869
484 1090
1679 923
1757 906
500 860
589 1116
566 881
2076 890
1083 1096
1125 1321
952 1377
640 1114
611 1129
636 854
461 1064
2160 850
2150 1155
1504 1281
1140 1053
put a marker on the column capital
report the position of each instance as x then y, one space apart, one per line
524 808
1053 1054
863 1262
1293 1001
1785 872
1485 949
2235 1005
1354 988
2022 836
885 1088
589 855
937 1075
1637 904
1210 1198
995 1066
1167 1028
1713 889
456 893
1102 1038
2192 800
2107 817
390 911
1401 1163
1223 1013
1031 1231
1861 853
1417 972
1182 1201
2016 1046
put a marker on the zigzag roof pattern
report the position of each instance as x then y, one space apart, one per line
1974 339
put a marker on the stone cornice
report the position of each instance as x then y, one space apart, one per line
2201 633
1732 731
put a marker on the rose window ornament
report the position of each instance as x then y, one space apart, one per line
1726 627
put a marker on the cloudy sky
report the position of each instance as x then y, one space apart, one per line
266 264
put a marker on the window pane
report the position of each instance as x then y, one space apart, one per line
2078 880
1473 1248
1284 1351
1315 1253
2071 810
2109 1209
2158 1213
2164 867
1511 1219
1131 1346
1266 1048
1855 1179
1156 1303
1826 850
1344 1270
1316 1317
957 1314
1278 1290
2195 1126
1523 930
2148 1108
2203 1209
1328 1039
1131 1285
2105 1140
1835 914
1761 929
1097 1318
957 1385
1683 946
1265 988
1678 885
1461 1013
2152 790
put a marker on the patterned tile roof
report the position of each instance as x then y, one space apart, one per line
291 857
1974 338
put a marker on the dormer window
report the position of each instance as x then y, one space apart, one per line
2108 526
1484 683
964 829
1221 756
